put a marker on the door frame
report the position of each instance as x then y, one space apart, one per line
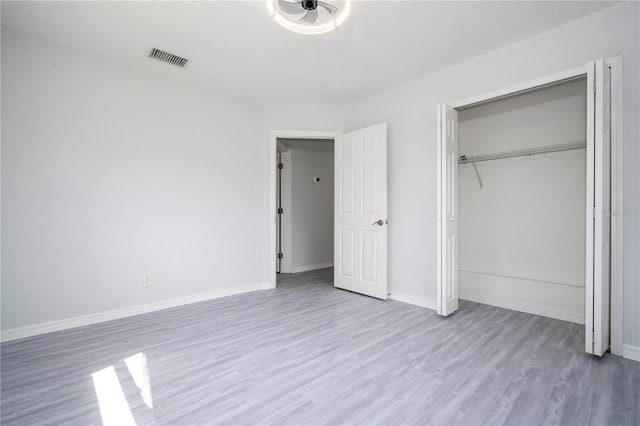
286 244
617 173
273 156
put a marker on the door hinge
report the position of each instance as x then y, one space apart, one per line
593 337
280 166
280 210
594 211
594 87
280 255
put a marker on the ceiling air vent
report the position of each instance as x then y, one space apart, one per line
167 57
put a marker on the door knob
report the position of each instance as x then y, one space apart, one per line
378 222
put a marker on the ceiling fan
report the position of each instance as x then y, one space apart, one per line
309 16
308 7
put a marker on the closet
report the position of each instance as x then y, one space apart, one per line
525 188
521 201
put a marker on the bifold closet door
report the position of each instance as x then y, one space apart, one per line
598 253
447 170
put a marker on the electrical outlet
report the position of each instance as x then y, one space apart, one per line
147 281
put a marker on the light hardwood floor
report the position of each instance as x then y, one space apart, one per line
307 353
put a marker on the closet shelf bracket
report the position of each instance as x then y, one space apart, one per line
463 159
477 174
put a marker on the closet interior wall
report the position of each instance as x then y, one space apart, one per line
522 235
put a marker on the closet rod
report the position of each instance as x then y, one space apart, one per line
522 152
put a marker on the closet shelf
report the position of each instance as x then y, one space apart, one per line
522 152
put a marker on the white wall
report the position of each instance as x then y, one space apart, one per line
110 174
305 117
410 111
311 204
522 236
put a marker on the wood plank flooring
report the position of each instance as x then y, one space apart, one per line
308 354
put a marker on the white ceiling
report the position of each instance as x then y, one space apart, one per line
236 48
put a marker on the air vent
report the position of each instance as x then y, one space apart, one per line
167 57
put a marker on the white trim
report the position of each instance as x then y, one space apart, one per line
617 207
525 307
549 299
273 142
631 352
413 300
64 324
306 268
527 86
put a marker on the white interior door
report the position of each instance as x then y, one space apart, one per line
279 214
286 248
447 268
598 253
360 240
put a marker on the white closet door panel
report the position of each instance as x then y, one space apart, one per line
598 253
447 268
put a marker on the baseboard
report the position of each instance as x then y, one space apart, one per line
526 308
559 301
530 309
631 352
64 324
311 267
413 300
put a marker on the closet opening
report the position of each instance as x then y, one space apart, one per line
520 245
521 201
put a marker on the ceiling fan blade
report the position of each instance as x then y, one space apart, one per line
290 8
331 8
311 16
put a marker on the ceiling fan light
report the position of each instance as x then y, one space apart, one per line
343 15
294 23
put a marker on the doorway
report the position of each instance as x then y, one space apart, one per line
359 208
275 136
305 204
